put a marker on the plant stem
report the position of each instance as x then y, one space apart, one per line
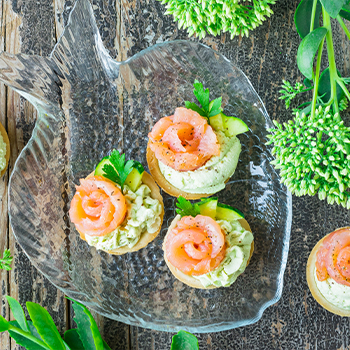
346 30
333 75
342 85
28 336
316 79
313 14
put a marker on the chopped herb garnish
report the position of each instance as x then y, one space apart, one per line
117 171
208 109
186 208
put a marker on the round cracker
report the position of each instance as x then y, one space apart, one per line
7 142
164 183
189 280
145 237
311 281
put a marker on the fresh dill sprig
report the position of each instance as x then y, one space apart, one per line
313 155
5 262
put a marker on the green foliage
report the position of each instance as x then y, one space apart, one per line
313 150
333 7
184 341
307 51
207 109
118 170
42 334
302 17
5 262
186 208
215 16
313 155
87 328
289 92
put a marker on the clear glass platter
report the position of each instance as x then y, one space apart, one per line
89 104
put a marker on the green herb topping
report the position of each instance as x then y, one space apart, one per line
186 208
208 109
117 171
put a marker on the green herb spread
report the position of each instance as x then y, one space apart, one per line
211 177
143 215
238 242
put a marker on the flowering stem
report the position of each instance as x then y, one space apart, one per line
333 75
317 79
313 14
346 30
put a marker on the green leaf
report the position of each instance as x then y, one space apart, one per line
184 341
307 82
202 95
118 171
302 17
324 89
87 327
18 313
33 330
20 339
333 7
307 51
185 207
215 107
45 326
4 324
71 337
194 107
105 346
345 12
5 262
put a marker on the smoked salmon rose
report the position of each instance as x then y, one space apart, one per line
196 245
328 272
183 141
333 257
98 206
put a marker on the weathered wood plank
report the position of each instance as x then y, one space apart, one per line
116 334
4 275
29 29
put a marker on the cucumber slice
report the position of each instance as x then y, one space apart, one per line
139 167
226 212
134 179
100 165
217 122
234 126
207 206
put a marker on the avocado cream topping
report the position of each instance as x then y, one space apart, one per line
211 177
238 241
143 215
2 153
336 293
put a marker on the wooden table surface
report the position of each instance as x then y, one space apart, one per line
267 56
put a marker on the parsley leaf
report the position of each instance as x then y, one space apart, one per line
5 262
118 170
185 207
215 107
202 95
208 109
